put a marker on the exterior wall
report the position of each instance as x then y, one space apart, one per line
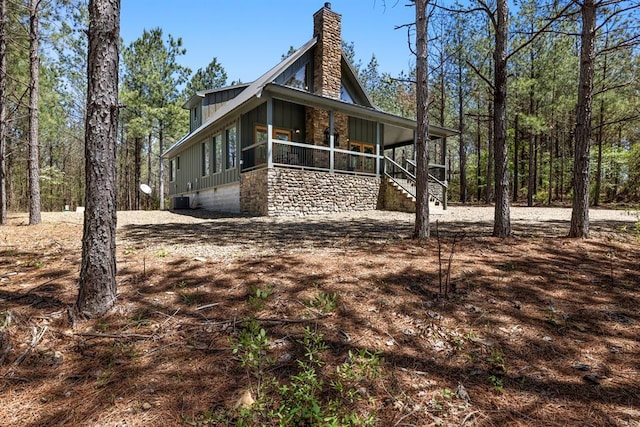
219 199
189 177
254 192
298 193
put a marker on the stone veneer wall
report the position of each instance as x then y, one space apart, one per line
393 199
297 193
294 192
254 193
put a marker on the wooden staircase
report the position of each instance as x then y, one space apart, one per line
404 189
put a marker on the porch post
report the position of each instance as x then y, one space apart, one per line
378 142
269 133
331 142
445 174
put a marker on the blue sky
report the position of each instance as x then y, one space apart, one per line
248 37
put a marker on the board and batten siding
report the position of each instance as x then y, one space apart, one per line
286 115
361 130
189 176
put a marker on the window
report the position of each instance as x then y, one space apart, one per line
172 170
232 147
178 163
206 159
345 95
261 150
280 152
217 153
299 79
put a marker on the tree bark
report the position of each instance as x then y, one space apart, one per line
580 205
516 160
462 149
98 271
161 165
502 217
3 111
137 154
34 152
421 230
488 189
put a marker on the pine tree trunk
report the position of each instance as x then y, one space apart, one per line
137 170
488 189
34 153
421 230
580 205
479 159
3 111
502 216
516 160
461 147
161 167
98 272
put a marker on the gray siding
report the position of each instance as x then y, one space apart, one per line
190 170
216 100
362 130
286 116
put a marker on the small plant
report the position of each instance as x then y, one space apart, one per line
497 383
251 347
258 297
324 302
186 298
447 393
162 253
496 359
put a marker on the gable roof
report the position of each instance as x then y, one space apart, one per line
253 92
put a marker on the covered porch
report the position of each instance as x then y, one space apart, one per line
337 137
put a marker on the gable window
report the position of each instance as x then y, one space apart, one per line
232 147
299 79
345 95
206 159
217 153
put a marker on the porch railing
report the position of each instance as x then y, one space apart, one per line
309 157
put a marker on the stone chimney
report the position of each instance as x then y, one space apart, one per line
328 52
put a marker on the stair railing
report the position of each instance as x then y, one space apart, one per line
392 169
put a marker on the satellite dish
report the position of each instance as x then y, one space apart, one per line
145 188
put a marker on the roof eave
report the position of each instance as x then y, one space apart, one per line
306 98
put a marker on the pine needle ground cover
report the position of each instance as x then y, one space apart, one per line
333 320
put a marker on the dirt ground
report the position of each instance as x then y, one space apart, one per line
466 329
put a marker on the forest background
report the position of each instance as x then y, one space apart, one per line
541 103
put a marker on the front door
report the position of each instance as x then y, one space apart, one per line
362 163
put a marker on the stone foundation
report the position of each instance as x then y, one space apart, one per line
297 193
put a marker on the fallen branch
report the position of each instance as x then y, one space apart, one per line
276 320
202 307
114 336
35 339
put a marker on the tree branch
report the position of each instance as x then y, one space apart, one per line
536 34
486 80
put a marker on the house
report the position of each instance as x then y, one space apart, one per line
304 138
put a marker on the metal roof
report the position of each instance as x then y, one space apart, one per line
253 92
